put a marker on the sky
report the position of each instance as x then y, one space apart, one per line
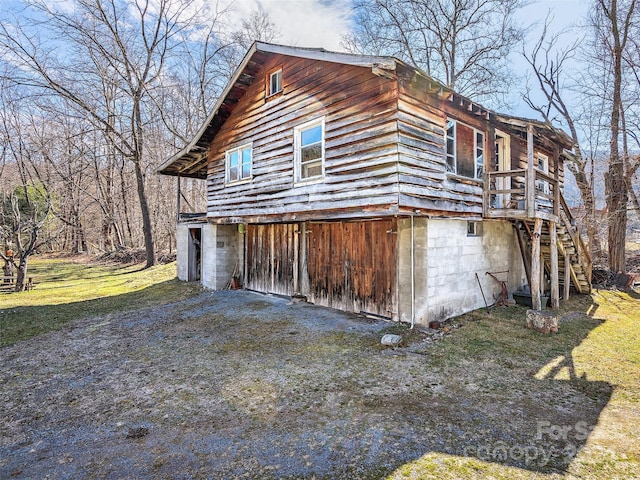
322 23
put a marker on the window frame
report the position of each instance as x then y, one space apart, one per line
227 164
278 73
297 151
474 228
542 186
451 157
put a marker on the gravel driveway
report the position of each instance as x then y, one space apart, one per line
239 385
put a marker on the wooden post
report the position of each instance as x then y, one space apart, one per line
536 268
556 184
303 279
296 258
555 281
567 275
178 201
531 175
523 253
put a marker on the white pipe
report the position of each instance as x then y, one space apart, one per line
413 290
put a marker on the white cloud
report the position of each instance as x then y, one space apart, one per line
304 23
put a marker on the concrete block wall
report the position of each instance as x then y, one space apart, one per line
220 250
445 262
454 259
182 249
219 254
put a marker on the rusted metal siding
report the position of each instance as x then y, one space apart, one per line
272 258
360 111
352 265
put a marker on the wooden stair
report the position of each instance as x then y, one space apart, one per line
569 244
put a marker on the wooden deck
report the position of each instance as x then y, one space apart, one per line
521 194
548 238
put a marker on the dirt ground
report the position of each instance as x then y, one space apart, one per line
241 385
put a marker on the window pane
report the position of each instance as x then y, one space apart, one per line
246 163
310 153
246 170
233 173
275 82
311 170
450 128
311 135
450 147
451 164
233 159
479 155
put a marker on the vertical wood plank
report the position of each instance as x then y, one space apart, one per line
531 175
536 265
567 275
555 281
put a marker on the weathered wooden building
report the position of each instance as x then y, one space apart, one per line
365 185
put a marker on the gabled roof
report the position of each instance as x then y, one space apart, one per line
191 161
541 129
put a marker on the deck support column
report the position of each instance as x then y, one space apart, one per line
536 268
530 176
567 275
555 281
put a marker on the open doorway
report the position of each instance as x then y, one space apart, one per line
195 254
502 164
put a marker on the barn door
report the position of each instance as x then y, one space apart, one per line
352 265
272 259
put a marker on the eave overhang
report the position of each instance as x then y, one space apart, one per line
191 161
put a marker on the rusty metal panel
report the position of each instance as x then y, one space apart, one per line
352 265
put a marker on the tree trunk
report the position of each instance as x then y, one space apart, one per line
615 185
22 273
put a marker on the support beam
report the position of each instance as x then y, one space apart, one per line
567 275
531 175
536 265
555 280
178 200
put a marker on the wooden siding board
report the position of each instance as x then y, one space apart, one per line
365 137
352 265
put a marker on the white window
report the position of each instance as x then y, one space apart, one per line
542 164
474 229
465 150
275 82
239 163
309 151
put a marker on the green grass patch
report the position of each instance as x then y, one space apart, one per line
68 291
596 354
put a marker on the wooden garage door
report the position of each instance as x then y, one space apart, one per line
272 258
352 265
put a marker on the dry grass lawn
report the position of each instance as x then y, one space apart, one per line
114 372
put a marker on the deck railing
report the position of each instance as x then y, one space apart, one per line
521 193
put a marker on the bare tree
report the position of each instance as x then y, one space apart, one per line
116 49
613 22
25 206
551 66
464 43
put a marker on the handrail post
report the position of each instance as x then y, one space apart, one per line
485 194
530 176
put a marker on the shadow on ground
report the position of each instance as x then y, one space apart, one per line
234 384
